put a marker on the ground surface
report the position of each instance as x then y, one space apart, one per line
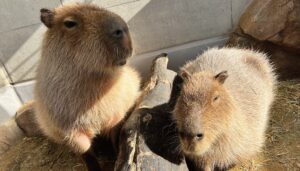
282 150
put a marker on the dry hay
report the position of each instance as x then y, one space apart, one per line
34 154
282 150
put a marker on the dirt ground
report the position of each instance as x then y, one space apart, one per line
282 150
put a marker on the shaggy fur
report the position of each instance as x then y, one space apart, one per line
230 113
83 87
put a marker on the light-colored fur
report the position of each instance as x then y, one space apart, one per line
80 91
234 125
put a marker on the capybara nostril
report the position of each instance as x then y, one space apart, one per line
118 33
199 136
190 136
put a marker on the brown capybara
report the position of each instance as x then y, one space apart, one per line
83 86
222 110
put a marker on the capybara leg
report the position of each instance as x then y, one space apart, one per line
81 142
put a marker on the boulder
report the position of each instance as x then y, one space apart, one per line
272 26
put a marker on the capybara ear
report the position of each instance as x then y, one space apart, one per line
47 17
184 74
221 77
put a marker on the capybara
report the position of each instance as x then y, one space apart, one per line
83 86
222 109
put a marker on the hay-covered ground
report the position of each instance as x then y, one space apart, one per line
35 154
282 150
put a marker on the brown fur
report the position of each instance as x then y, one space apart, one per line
231 113
82 86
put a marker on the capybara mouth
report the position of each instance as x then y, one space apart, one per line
123 53
128 52
188 151
188 148
191 151
194 149
121 57
121 62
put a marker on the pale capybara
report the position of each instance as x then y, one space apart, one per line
83 86
222 110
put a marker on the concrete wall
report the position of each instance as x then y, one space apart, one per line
180 27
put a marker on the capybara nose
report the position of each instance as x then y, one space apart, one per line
191 136
199 136
118 33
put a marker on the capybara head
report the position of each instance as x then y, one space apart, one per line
202 110
90 37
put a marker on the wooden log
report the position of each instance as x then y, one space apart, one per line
148 139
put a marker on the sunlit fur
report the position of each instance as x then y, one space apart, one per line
233 125
81 89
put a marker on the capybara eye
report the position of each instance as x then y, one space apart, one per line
216 98
70 24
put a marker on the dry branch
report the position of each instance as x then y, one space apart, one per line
148 138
